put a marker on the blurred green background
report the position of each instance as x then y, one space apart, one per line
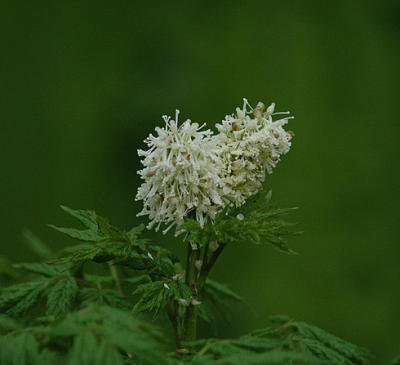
84 82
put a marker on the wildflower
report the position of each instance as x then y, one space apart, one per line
250 142
181 174
188 170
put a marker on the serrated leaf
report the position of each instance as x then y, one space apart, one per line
330 347
87 217
108 355
222 290
153 297
287 344
19 298
84 349
83 235
134 232
111 297
259 223
100 333
42 268
21 349
61 296
108 230
218 296
155 294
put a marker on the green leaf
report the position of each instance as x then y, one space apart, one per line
21 349
84 349
42 268
287 343
109 231
218 296
87 217
83 235
111 297
108 355
222 291
155 294
61 296
19 298
135 232
328 346
154 297
259 223
104 335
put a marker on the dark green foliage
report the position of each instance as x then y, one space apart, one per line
55 283
42 268
216 298
89 220
155 294
61 295
82 306
17 299
21 349
258 223
109 297
286 343
95 335
124 248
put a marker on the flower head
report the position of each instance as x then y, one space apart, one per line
181 174
188 170
250 142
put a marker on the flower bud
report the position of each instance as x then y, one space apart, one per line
213 246
198 264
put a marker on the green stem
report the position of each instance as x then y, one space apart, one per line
115 276
171 311
197 284
190 277
190 322
205 270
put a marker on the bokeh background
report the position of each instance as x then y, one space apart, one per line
84 82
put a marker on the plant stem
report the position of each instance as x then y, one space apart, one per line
190 322
205 270
190 277
171 311
115 276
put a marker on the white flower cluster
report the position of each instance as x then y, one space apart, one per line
192 171
250 142
181 173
